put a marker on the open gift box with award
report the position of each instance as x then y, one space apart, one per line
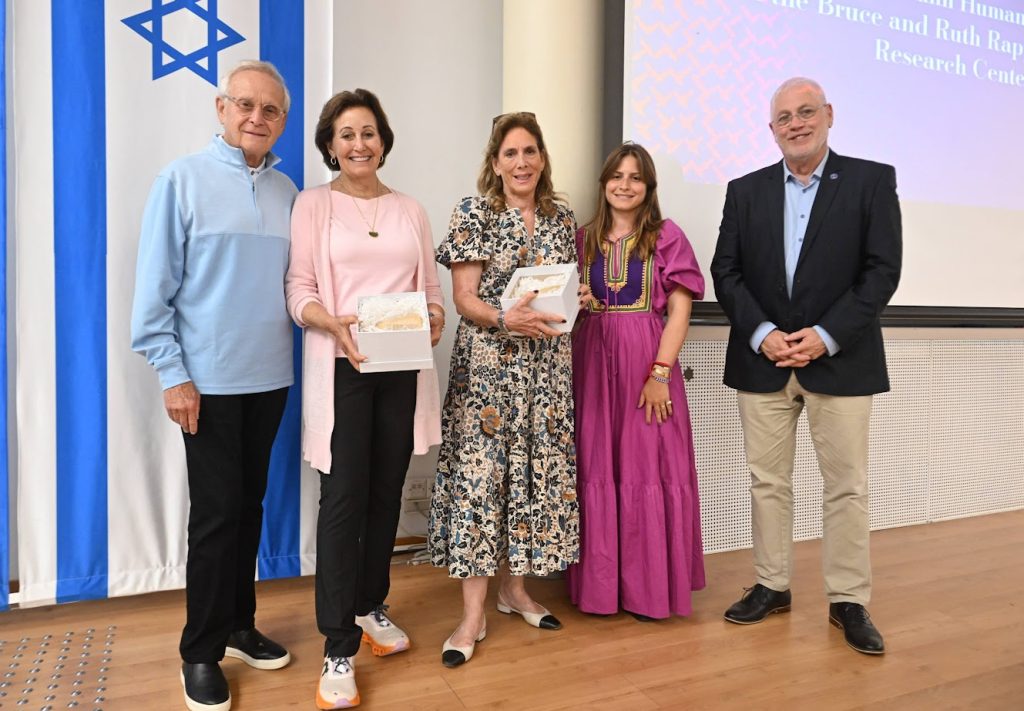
556 285
394 332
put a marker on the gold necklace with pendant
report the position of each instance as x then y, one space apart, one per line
371 225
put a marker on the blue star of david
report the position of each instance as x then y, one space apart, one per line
219 36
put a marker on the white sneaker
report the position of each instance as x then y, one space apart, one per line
337 688
383 635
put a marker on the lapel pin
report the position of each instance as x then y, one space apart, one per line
834 176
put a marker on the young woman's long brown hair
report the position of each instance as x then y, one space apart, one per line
490 185
648 220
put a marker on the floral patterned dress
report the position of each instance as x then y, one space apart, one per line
506 472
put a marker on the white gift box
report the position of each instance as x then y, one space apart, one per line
389 336
557 283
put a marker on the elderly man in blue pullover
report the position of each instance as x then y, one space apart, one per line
209 315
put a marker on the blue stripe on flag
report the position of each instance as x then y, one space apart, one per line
80 275
5 556
281 42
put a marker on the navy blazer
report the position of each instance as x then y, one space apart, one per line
848 269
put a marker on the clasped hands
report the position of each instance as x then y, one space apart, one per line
793 350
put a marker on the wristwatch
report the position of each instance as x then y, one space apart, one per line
661 373
501 322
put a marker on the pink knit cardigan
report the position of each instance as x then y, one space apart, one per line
309 279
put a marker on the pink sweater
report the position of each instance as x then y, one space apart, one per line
310 278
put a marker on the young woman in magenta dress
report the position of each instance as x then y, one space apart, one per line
637 484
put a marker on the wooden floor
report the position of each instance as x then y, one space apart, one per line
947 597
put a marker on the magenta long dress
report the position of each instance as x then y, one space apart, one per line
637 484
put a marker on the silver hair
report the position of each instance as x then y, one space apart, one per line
252 65
790 84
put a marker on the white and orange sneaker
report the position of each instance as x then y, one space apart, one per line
337 688
383 635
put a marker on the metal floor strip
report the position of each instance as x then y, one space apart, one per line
57 671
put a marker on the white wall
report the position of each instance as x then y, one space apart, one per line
436 67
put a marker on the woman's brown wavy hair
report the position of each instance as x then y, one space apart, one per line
649 220
490 185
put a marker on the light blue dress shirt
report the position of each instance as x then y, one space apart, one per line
797 211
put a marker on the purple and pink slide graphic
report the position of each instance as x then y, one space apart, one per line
935 88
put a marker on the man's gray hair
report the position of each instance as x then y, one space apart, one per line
793 83
252 65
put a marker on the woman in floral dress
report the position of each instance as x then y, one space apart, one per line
640 538
504 502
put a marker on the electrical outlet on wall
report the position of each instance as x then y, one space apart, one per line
418 489
417 506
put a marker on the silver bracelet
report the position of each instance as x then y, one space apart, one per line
501 322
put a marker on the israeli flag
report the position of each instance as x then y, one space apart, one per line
105 95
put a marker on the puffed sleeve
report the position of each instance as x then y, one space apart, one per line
676 263
466 241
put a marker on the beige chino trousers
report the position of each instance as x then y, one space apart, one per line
839 431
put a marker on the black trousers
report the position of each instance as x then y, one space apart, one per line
227 477
361 499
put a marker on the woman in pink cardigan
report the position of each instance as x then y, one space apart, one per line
356 237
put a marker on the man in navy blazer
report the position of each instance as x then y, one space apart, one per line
808 256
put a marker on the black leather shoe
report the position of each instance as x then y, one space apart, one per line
855 622
256 650
757 603
206 689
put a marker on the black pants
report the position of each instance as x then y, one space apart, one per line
361 499
227 477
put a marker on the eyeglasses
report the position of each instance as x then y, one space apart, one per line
804 114
524 114
246 107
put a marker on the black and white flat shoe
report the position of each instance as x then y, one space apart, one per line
543 619
452 656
